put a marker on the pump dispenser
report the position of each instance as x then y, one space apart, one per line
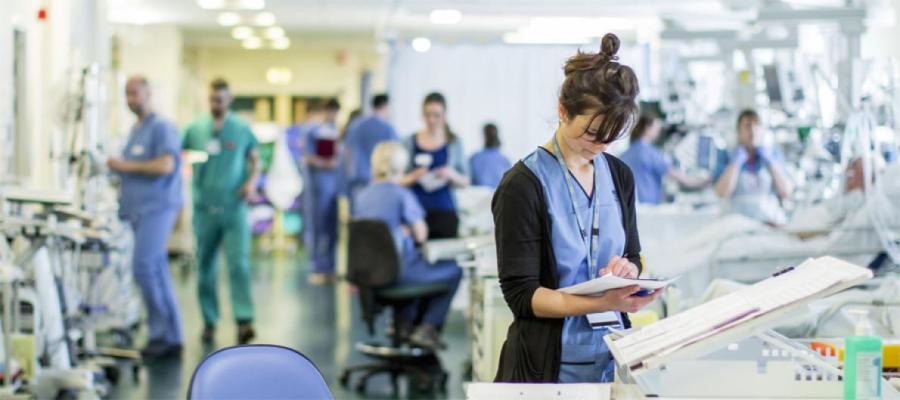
862 367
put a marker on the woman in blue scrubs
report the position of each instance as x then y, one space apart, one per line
489 165
565 215
753 177
387 200
650 165
436 166
322 159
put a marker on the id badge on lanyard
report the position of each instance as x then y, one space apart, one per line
213 144
590 237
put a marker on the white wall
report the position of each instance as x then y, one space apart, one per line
516 87
6 86
154 51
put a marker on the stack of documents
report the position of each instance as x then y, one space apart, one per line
814 278
599 285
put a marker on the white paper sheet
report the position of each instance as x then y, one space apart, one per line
599 285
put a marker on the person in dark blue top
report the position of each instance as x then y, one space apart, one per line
150 199
650 165
361 139
488 166
436 166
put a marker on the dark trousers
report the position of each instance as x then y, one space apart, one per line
442 224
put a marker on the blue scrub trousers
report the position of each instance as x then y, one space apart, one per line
151 272
322 212
228 226
421 272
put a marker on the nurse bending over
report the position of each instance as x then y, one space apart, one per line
387 200
565 214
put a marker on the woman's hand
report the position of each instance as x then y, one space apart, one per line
620 266
624 300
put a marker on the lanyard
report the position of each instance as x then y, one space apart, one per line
591 239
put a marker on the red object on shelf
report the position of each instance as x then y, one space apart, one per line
42 14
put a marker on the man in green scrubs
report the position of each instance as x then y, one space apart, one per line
221 188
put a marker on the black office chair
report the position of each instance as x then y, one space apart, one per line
373 266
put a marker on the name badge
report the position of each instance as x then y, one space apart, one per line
604 320
213 147
137 150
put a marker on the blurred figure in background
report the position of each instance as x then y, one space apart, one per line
296 134
150 198
488 166
649 165
387 200
752 178
361 139
222 187
437 165
320 208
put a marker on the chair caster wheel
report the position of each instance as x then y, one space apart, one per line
344 379
360 388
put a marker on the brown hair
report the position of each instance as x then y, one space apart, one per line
596 82
437 98
747 113
219 84
640 128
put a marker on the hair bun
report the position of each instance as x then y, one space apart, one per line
609 46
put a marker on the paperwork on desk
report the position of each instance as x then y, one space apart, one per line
734 315
597 286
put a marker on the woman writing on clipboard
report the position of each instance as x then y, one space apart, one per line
564 215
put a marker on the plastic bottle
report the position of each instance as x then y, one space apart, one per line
862 365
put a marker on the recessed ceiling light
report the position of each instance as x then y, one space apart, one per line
264 19
421 44
281 43
241 32
211 4
275 32
252 4
446 17
229 18
279 75
252 43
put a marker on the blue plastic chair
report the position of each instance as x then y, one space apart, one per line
259 371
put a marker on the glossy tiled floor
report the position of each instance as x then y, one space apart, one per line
321 322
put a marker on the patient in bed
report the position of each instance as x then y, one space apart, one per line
739 248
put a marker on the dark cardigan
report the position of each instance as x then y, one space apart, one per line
525 262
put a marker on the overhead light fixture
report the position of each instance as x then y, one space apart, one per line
264 19
211 4
252 43
241 32
282 43
279 75
251 4
229 18
421 44
275 32
446 17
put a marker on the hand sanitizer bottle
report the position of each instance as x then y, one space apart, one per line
862 366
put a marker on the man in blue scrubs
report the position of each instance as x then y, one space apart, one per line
222 186
150 200
361 139
488 166
320 205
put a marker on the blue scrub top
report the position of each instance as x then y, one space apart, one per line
362 137
140 194
754 193
396 206
487 167
585 356
441 199
649 167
